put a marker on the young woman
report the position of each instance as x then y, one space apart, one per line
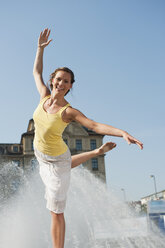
51 117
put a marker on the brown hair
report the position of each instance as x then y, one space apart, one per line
61 69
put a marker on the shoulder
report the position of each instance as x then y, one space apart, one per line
42 98
73 114
71 111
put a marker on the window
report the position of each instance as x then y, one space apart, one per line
93 144
16 162
32 148
78 144
94 164
33 164
66 141
15 148
1 150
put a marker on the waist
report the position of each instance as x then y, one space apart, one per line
50 148
49 158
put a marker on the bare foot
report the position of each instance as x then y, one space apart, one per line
106 147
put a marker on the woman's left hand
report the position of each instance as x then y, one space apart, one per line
130 139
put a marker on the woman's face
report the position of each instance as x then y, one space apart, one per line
61 83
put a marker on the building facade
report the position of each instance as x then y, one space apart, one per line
78 138
153 197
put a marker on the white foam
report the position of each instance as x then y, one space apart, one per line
94 216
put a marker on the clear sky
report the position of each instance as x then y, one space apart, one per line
117 52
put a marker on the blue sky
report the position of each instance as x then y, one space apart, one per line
117 52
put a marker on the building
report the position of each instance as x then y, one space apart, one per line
156 196
78 138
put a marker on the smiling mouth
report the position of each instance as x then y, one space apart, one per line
59 88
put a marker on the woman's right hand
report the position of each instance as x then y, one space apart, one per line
43 39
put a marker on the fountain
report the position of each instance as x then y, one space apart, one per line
95 217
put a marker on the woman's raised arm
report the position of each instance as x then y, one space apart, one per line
38 63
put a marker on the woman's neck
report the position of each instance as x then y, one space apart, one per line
56 100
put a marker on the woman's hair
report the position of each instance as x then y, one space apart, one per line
55 72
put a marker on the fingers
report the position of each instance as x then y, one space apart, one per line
140 145
49 41
137 142
132 140
128 141
48 33
45 33
43 38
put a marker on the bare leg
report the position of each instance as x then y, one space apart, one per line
58 221
58 230
83 157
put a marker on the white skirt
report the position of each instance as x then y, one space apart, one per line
55 173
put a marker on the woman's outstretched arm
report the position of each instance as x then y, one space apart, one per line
38 63
83 157
72 114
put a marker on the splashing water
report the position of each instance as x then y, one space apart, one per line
95 218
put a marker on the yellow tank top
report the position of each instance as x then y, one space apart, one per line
48 130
